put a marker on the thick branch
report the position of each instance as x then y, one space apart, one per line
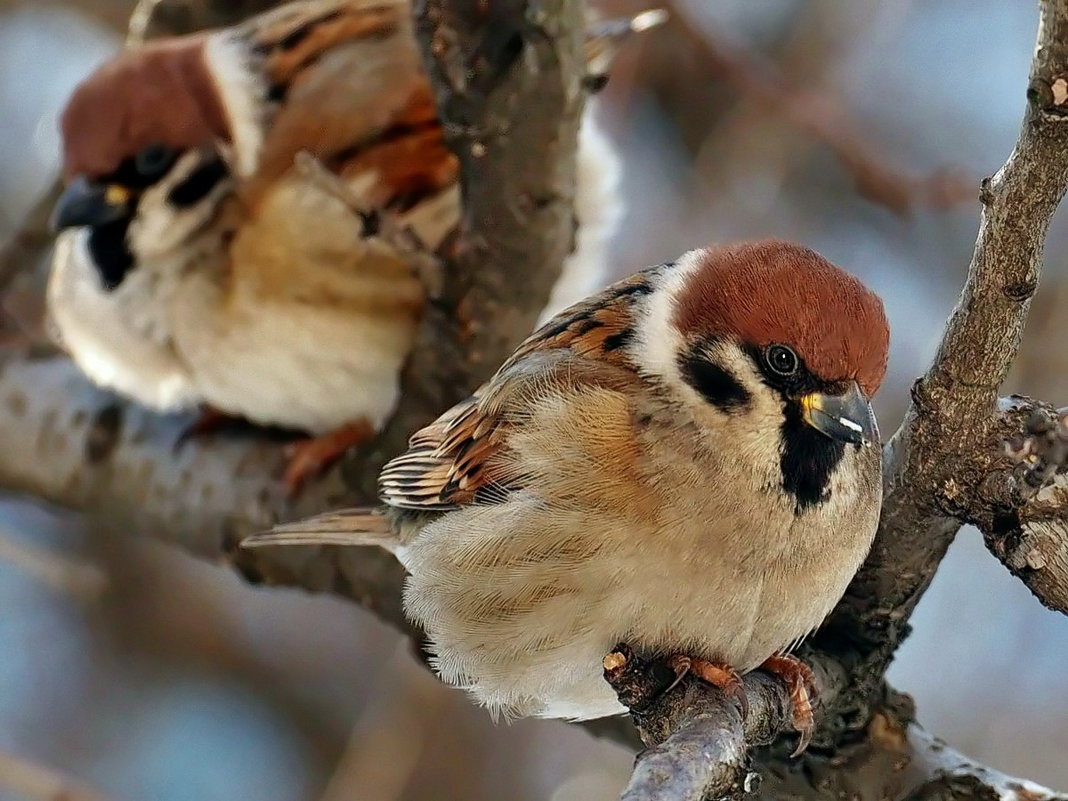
1028 529
896 759
698 742
952 437
700 748
948 775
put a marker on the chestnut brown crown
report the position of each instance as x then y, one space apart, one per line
159 94
760 293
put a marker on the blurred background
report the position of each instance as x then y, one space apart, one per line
860 129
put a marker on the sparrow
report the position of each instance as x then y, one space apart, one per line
249 212
686 462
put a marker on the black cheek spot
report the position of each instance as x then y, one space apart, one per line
808 460
276 93
716 385
199 184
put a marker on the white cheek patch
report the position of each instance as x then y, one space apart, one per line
244 96
658 343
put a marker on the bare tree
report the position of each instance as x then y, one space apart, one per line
961 456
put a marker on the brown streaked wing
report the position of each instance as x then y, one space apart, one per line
344 78
449 463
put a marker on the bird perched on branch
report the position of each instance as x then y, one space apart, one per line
686 462
250 213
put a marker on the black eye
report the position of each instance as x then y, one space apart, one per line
154 160
781 359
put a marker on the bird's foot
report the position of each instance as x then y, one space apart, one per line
208 421
803 693
308 458
722 676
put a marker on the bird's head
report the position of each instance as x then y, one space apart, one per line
771 339
150 144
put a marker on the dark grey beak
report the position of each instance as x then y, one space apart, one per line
85 202
847 417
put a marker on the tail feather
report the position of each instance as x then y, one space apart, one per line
348 527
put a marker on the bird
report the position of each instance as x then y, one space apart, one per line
249 214
687 462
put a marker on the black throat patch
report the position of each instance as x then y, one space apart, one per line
807 461
109 252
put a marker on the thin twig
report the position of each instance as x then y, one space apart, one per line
822 115
58 571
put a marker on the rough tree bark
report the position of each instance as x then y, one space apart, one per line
947 465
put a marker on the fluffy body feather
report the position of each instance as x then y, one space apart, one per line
242 280
594 492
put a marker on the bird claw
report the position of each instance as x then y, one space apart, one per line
308 458
801 683
718 675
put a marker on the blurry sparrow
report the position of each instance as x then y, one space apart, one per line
236 201
686 462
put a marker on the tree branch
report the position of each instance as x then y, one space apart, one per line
700 748
1028 531
698 742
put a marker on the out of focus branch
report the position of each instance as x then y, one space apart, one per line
821 115
36 782
33 239
61 573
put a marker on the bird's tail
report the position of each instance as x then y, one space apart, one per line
344 527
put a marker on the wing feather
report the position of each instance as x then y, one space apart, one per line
453 461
